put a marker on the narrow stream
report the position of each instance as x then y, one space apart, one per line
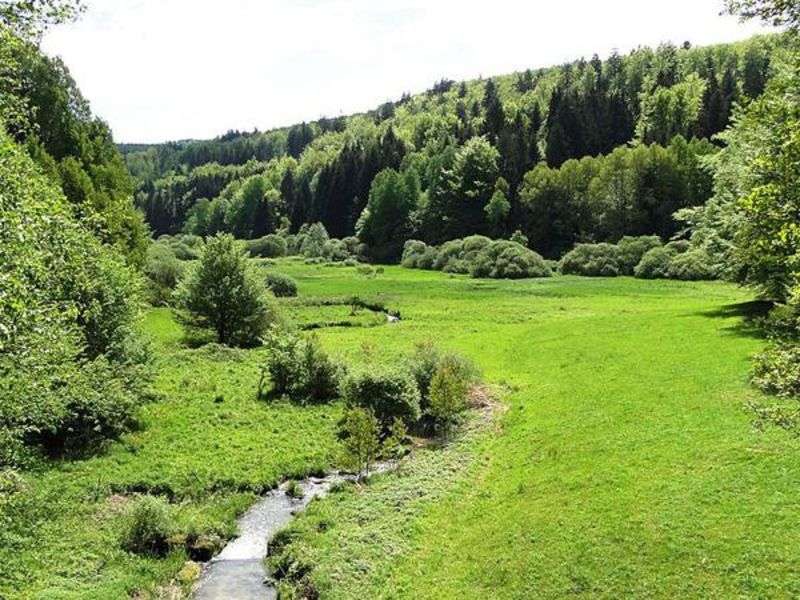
237 573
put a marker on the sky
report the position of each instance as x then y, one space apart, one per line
159 70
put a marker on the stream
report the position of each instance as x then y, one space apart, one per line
237 573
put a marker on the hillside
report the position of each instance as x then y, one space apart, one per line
323 171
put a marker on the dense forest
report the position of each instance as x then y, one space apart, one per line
486 156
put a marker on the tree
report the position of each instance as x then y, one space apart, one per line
776 12
469 186
30 18
360 433
498 208
385 223
448 394
225 294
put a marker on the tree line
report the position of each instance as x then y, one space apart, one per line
489 133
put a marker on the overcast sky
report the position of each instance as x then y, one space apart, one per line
161 70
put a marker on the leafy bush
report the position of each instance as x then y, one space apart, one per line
776 370
224 294
654 264
300 369
281 285
164 271
693 265
360 431
72 369
388 392
448 392
593 260
632 249
508 260
147 527
449 251
269 246
427 360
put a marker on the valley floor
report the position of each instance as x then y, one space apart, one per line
625 463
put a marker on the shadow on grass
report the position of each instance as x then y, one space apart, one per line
749 314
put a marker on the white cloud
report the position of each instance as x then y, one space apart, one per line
173 69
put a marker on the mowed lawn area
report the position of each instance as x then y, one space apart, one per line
625 463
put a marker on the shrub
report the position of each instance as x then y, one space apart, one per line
413 250
679 246
72 369
508 260
269 246
224 294
592 260
359 431
300 369
311 240
776 370
147 527
335 251
632 249
654 264
448 392
448 251
164 271
388 392
519 238
281 285
693 265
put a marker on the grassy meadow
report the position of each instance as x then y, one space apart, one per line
624 464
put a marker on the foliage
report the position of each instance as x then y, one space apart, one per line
503 259
269 246
224 293
147 527
389 392
164 271
385 223
43 110
300 369
655 264
776 370
461 160
592 260
72 369
448 391
749 226
692 265
281 285
632 249
32 17
360 431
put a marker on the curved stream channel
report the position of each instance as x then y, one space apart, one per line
237 573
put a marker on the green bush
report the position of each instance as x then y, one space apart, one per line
389 392
654 264
592 260
427 359
147 527
281 285
449 251
72 369
164 271
776 370
693 265
224 294
503 259
632 249
300 369
448 392
269 246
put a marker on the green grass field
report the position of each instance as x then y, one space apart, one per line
625 463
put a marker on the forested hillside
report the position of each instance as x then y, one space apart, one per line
484 157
